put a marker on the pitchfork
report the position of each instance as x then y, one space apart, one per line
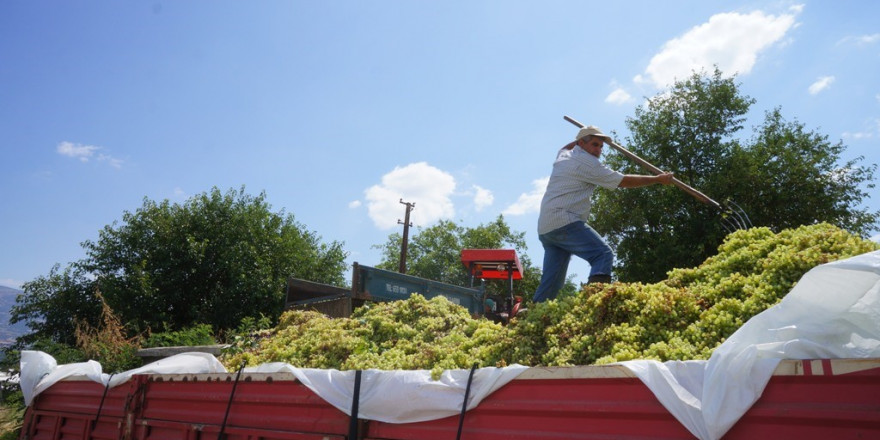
732 216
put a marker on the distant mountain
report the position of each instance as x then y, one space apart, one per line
8 333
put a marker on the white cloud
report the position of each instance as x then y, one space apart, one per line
354 204
869 39
482 198
531 201
179 194
77 151
85 153
861 39
428 187
857 136
112 161
731 40
821 84
618 97
872 130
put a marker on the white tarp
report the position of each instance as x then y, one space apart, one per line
832 313
39 370
388 396
400 396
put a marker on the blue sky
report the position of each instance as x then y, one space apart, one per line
339 109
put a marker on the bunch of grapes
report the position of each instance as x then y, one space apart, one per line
683 317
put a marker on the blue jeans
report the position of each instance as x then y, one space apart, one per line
559 245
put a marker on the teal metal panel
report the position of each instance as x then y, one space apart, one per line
383 285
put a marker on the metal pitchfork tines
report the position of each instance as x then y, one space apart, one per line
732 216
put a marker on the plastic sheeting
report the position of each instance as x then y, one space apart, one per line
832 313
39 370
388 396
401 396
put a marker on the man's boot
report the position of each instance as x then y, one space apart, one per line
599 279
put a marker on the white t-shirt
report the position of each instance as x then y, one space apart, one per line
575 175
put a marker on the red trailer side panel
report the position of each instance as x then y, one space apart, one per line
571 408
70 410
806 400
820 399
266 402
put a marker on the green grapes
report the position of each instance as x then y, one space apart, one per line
409 334
683 317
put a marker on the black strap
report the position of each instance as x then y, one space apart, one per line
467 392
101 405
222 434
353 422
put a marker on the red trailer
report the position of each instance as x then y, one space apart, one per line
744 391
816 399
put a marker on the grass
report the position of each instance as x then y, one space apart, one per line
10 422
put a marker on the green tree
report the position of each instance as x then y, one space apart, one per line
434 253
215 259
795 178
784 177
51 305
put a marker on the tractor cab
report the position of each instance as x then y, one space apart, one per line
495 264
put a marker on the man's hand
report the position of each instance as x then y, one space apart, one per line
665 178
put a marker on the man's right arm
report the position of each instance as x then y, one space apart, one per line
639 180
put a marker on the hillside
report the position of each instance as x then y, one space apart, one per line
8 333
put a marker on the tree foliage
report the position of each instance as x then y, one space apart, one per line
51 305
215 259
795 177
785 176
434 253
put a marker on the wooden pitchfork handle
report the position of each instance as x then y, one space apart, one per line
656 171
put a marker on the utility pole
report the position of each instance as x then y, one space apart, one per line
406 224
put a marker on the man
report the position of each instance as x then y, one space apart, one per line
565 208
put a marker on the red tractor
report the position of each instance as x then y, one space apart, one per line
495 264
